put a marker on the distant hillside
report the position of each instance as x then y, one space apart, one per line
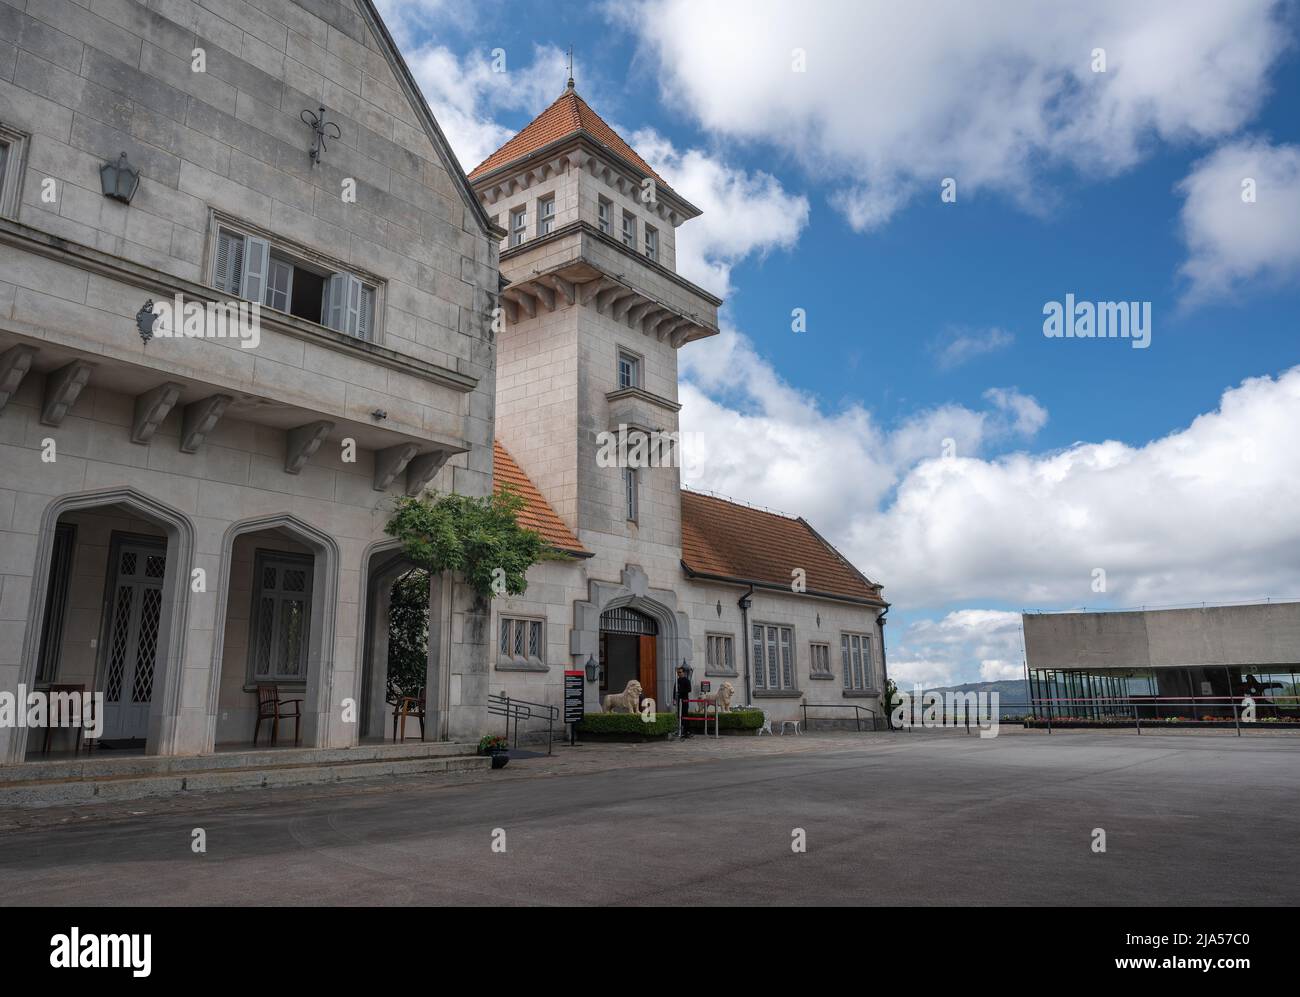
1011 690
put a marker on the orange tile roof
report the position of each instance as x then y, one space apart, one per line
569 115
737 542
537 513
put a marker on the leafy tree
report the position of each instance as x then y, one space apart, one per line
479 538
408 634
888 700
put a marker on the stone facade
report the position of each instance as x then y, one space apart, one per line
578 297
215 450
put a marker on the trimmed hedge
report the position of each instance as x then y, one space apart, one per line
734 720
662 725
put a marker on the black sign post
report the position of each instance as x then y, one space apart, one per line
574 701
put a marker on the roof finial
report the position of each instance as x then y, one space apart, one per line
570 85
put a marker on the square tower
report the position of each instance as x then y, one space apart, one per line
592 313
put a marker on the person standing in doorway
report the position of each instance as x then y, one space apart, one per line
683 694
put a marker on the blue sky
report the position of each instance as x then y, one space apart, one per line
821 191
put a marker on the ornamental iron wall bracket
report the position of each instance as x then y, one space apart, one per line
321 128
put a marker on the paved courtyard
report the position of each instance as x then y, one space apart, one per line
923 818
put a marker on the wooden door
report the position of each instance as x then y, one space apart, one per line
648 672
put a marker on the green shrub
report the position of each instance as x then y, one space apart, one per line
735 720
628 723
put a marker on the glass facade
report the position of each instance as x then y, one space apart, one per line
1191 693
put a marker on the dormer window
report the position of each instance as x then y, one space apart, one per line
518 226
629 230
604 212
245 266
652 243
546 215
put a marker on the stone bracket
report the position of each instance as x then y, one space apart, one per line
422 469
302 442
151 409
200 418
390 463
61 390
15 362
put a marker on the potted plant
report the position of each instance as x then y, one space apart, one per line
496 746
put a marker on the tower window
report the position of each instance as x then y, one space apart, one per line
604 210
652 243
546 215
629 370
629 493
518 226
629 229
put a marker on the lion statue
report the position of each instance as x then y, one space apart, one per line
719 700
629 700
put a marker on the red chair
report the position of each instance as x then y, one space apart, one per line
271 707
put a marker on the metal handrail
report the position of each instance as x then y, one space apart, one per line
855 707
501 705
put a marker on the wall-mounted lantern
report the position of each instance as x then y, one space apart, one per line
592 669
119 179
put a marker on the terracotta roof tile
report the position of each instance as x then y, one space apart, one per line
537 513
738 542
569 115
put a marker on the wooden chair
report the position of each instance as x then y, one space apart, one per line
55 717
408 706
271 707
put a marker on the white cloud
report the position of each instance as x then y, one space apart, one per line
743 213
758 438
896 97
941 652
1206 513
1229 240
959 346
466 94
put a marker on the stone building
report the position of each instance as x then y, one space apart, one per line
187 516
248 298
654 576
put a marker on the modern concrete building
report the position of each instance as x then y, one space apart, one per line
1191 663
654 576
184 517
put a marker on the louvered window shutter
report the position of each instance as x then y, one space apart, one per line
335 299
257 255
366 314
343 304
229 266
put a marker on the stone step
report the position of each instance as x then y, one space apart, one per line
106 764
135 785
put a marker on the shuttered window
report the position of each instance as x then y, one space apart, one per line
855 653
252 268
773 657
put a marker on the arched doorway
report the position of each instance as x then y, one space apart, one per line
108 614
277 605
628 650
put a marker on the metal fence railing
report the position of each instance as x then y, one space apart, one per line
1185 712
501 705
